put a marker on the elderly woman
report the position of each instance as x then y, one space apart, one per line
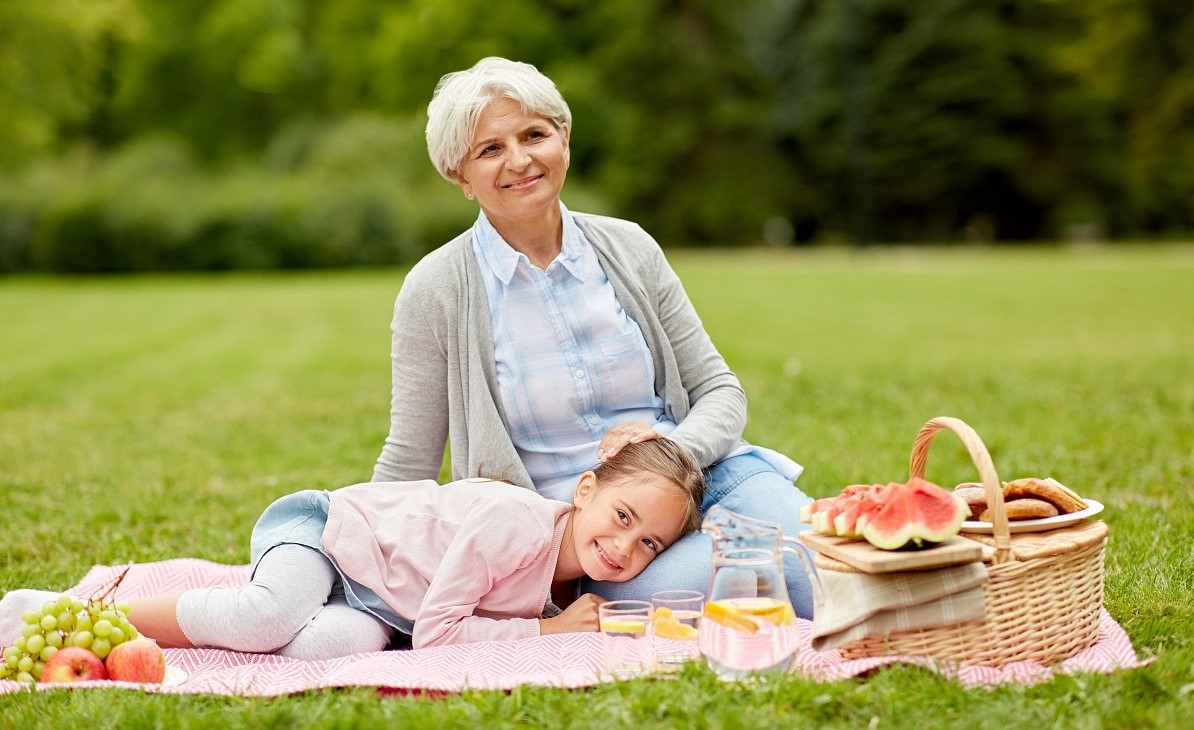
541 337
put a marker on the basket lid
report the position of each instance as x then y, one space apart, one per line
1062 541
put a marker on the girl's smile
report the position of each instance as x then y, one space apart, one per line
616 530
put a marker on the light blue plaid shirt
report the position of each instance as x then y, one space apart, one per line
570 363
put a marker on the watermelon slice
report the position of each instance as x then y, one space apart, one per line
914 514
825 520
889 516
808 510
852 518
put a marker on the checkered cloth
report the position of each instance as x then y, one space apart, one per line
850 606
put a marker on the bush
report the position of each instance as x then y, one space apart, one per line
357 192
17 222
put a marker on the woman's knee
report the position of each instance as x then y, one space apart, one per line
768 496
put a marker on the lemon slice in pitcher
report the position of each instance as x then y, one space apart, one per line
730 617
771 610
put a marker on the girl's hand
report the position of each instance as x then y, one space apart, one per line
581 615
631 432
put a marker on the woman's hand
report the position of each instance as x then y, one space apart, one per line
631 432
581 615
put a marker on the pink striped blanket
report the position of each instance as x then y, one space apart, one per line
561 660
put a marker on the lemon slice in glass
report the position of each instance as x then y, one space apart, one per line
623 626
672 629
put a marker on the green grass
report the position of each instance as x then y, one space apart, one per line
154 417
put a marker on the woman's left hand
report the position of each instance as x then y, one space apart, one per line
631 432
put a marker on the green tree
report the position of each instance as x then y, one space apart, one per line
672 117
1137 58
224 75
55 71
934 119
218 133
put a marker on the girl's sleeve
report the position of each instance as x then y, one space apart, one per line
492 544
414 447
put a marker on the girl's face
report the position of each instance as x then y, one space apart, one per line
617 529
517 162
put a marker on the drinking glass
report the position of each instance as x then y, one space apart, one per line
624 641
675 621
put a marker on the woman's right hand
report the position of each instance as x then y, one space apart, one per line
581 615
631 432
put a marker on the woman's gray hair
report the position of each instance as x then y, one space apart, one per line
461 96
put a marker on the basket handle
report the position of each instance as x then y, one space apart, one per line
992 487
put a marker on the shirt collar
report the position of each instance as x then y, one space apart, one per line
572 251
502 260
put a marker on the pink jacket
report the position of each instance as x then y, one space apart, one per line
471 560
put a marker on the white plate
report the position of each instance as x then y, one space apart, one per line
1039 525
174 676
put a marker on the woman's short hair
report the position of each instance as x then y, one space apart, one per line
461 96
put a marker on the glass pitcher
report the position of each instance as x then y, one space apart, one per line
748 624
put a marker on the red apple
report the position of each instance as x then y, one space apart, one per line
73 664
139 660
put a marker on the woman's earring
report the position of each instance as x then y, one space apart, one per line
469 196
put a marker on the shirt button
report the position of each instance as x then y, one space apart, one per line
579 373
593 420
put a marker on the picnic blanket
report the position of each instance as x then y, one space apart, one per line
559 660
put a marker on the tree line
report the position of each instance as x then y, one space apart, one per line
161 134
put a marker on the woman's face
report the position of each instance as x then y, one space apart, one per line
516 164
618 529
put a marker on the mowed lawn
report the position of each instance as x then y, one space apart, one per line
151 417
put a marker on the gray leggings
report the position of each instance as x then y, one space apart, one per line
294 607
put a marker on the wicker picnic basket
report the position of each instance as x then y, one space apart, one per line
1044 594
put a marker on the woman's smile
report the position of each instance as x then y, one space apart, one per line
524 183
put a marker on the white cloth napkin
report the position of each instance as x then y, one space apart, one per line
850 606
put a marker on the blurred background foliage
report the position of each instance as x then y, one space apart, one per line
220 134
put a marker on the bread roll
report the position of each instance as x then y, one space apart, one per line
1048 490
975 498
1026 508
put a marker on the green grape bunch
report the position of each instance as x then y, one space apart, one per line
96 624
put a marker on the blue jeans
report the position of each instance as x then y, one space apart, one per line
744 484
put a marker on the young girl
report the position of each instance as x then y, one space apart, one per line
336 573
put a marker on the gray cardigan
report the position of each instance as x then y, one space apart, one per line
445 382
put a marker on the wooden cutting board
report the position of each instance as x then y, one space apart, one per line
866 557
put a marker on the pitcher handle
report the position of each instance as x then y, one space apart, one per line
801 553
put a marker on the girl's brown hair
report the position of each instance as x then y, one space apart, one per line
663 458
